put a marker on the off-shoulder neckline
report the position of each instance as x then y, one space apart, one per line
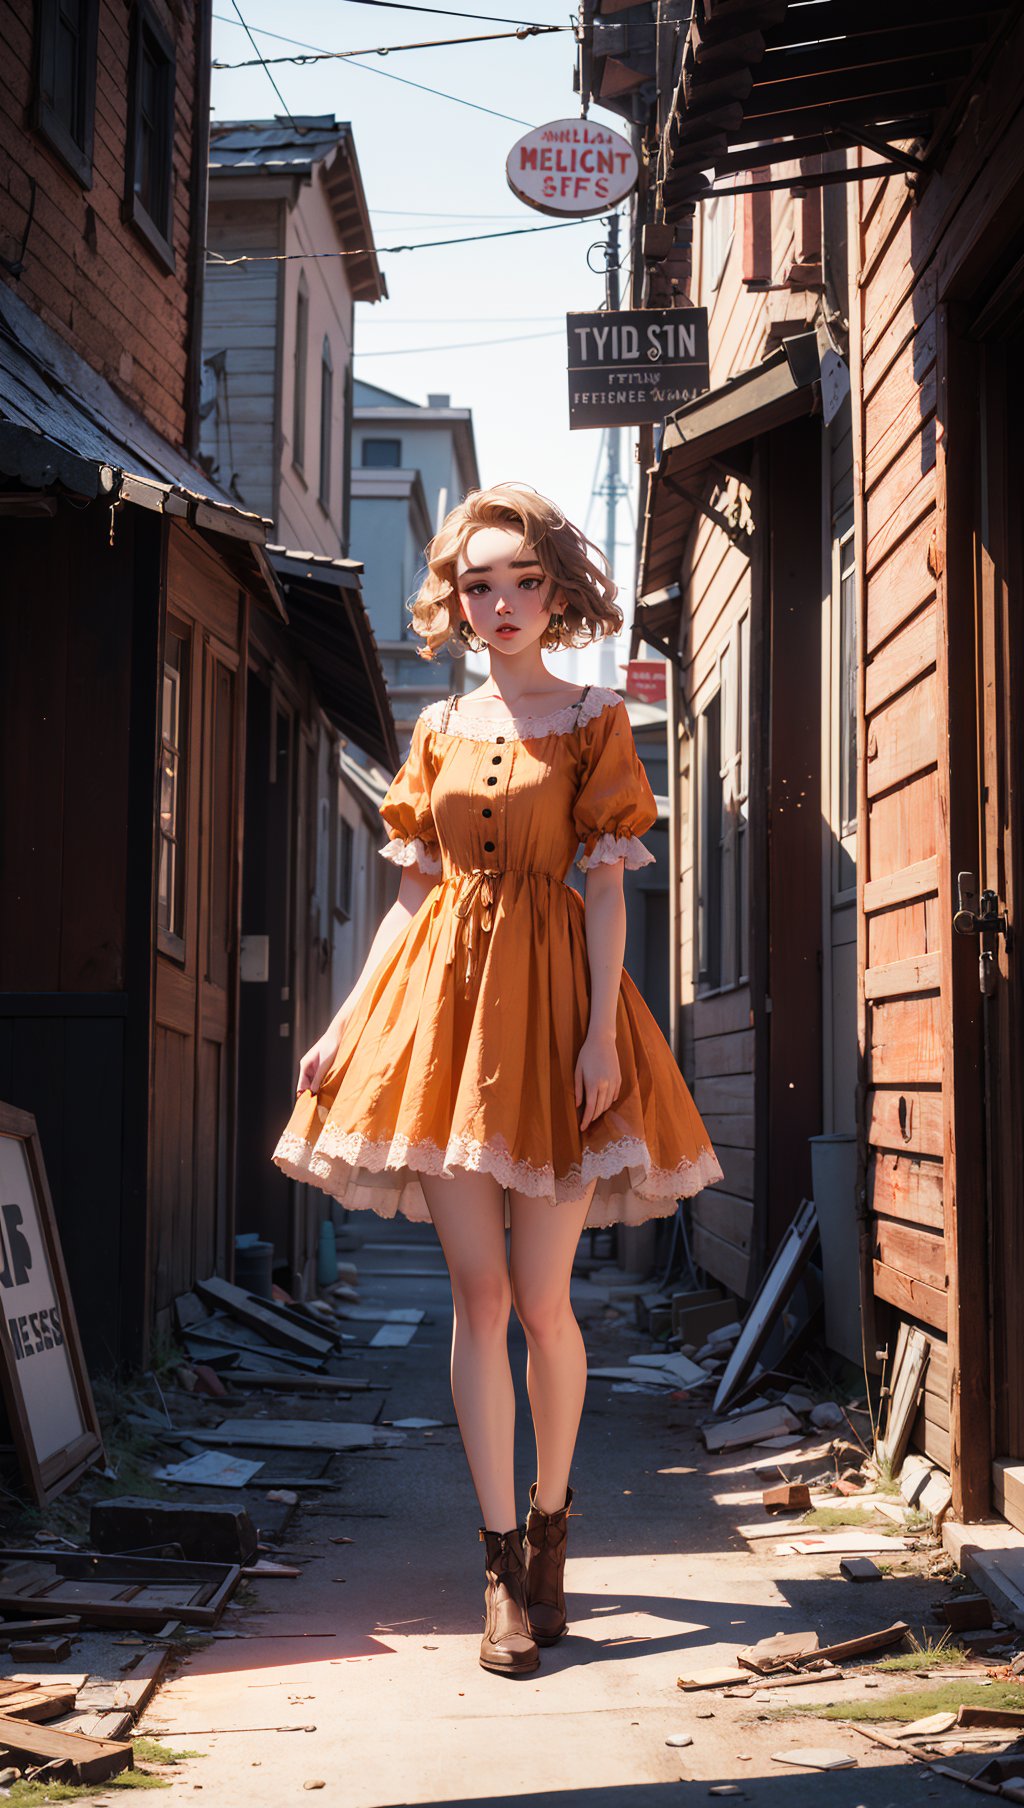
469 727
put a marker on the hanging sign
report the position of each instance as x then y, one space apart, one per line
647 679
572 167
632 368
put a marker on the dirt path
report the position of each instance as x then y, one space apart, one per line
659 1581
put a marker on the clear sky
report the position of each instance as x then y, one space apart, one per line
433 169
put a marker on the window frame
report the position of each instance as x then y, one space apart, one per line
326 423
721 946
47 121
158 236
300 376
171 938
376 439
717 238
844 610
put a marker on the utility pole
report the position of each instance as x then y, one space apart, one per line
612 476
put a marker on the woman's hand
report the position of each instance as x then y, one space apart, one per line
316 1061
598 1076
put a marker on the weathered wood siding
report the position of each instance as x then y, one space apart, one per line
917 254
716 581
241 307
88 274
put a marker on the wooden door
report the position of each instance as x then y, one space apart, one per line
999 636
198 845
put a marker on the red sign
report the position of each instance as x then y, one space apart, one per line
572 167
647 680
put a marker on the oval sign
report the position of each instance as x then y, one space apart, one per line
572 167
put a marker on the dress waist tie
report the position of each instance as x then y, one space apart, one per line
473 910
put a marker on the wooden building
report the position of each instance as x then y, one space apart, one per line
132 586
931 566
276 428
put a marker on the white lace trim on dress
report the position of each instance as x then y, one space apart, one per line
521 728
410 853
609 848
350 1149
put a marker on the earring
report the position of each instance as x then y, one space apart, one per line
556 623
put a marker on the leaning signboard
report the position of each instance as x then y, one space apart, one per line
46 1389
631 369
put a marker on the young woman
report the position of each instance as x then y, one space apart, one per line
493 1047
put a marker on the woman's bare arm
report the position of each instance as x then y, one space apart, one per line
598 1078
414 888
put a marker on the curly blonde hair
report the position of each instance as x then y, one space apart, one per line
580 576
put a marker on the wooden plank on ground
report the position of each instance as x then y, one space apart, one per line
91 1760
259 1317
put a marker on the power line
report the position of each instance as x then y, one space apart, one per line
388 74
407 6
456 320
300 58
405 351
473 238
256 47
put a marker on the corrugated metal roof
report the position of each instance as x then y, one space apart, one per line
276 144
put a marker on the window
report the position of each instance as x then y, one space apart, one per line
382 454
300 364
346 851
171 863
723 836
65 92
716 238
149 194
326 423
844 801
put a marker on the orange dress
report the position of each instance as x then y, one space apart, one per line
461 1048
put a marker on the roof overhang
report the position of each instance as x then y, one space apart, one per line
63 428
711 437
329 626
343 183
768 82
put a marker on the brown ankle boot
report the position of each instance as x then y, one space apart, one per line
507 1646
546 1535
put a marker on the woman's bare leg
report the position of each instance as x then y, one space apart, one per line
468 1213
544 1241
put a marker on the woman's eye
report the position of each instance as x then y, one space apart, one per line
476 589
530 584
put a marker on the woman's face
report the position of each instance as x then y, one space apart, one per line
504 592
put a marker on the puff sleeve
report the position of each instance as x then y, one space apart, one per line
614 804
406 809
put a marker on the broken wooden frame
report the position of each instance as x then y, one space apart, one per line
787 1265
50 1408
906 1391
142 1592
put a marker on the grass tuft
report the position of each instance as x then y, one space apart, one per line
915 1703
926 1653
829 1518
150 1751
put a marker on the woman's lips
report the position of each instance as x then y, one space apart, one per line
508 628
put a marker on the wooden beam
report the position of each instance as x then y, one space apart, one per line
917 973
912 1296
917 881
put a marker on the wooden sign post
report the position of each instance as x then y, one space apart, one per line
45 1383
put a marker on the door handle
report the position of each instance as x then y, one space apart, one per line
987 919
